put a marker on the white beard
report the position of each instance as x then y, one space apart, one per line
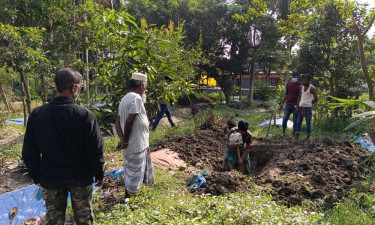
144 98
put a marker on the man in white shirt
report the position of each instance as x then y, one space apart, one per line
132 128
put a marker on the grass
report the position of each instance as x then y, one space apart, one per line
11 152
167 202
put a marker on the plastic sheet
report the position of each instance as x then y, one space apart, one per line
25 200
279 123
365 142
197 180
114 173
15 121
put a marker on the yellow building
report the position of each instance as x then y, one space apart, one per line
208 82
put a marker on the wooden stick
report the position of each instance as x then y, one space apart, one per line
269 125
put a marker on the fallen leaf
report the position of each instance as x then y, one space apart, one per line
31 221
13 212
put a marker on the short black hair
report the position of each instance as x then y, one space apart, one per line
243 125
135 83
306 76
295 73
66 78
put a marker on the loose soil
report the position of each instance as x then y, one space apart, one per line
13 177
322 170
221 183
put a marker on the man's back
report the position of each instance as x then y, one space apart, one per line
69 139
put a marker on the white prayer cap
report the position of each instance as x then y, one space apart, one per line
139 76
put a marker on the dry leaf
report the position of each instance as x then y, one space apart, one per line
29 222
13 212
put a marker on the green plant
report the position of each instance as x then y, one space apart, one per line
263 91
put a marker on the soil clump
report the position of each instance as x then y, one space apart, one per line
321 170
221 183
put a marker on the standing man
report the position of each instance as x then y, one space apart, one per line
164 109
305 101
291 96
132 128
63 151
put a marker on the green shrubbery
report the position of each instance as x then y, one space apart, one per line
263 91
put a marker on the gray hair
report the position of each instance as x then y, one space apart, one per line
66 78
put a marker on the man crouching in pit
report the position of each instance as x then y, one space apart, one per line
236 155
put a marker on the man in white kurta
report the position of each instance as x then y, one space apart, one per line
132 127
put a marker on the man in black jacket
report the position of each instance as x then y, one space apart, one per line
63 151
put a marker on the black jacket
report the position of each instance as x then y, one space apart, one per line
63 146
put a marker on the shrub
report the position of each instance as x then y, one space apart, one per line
264 91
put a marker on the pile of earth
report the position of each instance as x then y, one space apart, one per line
202 148
321 170
221 183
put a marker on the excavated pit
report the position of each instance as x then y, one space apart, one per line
321 170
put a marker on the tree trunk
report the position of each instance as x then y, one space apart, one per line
4 97
252 81
360 40
268 76
44 98
86 76
24 105
240 86
25 83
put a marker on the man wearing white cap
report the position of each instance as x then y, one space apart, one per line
132 128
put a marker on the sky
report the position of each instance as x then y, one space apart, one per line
371 4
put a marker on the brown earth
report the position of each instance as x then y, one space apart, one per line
321 170
13 177
221 183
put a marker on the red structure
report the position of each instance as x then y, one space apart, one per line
273 79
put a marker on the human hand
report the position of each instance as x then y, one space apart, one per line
281 107
240 161
121 145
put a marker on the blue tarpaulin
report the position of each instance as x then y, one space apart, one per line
27 204
365 142
15 121
279 123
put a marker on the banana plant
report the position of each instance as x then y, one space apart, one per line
363 122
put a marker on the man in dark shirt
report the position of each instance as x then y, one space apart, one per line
63 151
291 96
237 155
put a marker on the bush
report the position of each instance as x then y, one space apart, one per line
264 91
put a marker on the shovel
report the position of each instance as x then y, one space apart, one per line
240 166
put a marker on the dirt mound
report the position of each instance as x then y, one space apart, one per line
219 183
320 170
202 148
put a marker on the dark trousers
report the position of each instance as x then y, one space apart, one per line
56 202
290 109
163 109
308 116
